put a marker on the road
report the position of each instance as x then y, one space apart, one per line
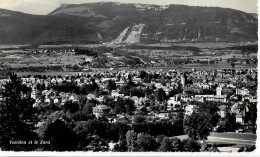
229 138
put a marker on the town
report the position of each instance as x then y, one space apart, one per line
104 109
128 77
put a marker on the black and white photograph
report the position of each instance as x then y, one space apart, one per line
163 77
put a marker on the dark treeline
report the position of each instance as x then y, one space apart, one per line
183 48
248 48
85 52
37 69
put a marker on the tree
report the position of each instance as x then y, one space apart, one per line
96 144
47 119
81 128
117 131
129 106
142 74
61 137
205 147
71 107
173 92
165 145
139 119
82 132
76 67
111 85
252 114
18 117
121 146
136 92
198 126
176 145
212 109
131 137
232 65
230 122
145 142
88 108
160 95
98 127
190 145
119 106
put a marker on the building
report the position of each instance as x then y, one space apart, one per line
190 109
162 115
243 91
100 110
219 91
115 94
222 111
183 79
215 98
174 104
240 110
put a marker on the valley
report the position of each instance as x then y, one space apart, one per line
116 57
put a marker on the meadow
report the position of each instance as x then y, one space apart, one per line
15 57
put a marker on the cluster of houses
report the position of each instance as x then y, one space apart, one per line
236 87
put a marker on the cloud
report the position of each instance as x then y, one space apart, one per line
29 6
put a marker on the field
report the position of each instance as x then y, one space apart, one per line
199 45
20 59
229 138
157 56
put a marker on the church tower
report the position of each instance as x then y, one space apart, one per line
183 79
219 90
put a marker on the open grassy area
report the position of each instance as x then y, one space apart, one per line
228 138
16 57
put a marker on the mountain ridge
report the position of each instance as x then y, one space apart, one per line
104 22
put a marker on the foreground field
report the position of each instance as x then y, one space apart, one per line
229 138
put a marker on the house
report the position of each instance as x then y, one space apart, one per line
47 100
162 115
240 110
158 85
120 83
215 98
174 104
100 98
59 80
115 93
53 80
49 93
57 100
63 101
33 94
222 111
243 91
100 110
37 102
253 99
73 97
91 97
189 109
186 97
228 91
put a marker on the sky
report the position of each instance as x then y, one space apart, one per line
43 7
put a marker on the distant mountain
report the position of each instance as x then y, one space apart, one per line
130 23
